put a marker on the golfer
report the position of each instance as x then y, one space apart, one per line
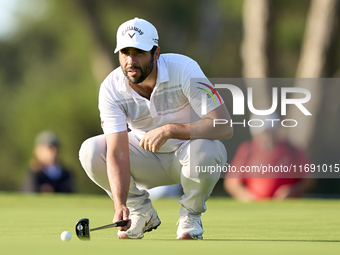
155 97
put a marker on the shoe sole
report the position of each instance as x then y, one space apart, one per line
187 236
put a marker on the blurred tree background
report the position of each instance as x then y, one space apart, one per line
60 50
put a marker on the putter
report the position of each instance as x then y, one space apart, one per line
83 228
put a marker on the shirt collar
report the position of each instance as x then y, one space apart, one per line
162 71
121 81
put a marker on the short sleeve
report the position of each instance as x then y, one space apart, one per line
113 118
198 89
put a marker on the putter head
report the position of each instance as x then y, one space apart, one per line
83 229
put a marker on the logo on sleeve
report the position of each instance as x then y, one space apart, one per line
210 94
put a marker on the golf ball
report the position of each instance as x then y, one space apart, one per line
66 236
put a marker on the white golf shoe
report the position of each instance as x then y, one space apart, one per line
190 227
140 223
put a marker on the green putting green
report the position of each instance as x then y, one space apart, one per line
32 224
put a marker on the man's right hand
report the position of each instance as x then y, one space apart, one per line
122 213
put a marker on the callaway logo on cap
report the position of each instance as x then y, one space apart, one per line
136 33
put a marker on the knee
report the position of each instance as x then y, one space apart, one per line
206 157
92 152
86 153
207 152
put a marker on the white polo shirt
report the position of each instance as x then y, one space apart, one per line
173 100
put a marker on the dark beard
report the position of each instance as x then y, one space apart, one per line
144 72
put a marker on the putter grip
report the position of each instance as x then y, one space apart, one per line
122 223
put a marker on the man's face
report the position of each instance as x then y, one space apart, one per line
136 64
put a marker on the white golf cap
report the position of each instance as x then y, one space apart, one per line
136 33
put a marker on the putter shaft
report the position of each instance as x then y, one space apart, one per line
120 223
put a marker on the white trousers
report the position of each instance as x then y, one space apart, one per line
150 170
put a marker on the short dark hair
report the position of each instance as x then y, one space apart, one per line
154 48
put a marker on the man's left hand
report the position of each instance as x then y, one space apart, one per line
154 139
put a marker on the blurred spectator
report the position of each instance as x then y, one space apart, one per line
266 149
46 174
